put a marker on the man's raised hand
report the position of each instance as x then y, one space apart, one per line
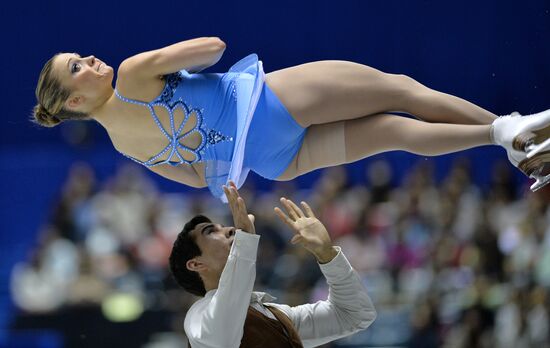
310 232
241 218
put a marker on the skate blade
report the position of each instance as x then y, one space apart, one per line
535 149
541 181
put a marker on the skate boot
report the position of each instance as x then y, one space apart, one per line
527 141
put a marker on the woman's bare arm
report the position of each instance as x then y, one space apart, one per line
184 174
191 55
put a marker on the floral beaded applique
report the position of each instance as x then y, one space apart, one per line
209 137
172 82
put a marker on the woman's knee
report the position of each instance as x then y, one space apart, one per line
407 91
405 86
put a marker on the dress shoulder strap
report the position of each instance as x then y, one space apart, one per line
128 100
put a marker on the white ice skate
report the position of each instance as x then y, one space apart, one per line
526 139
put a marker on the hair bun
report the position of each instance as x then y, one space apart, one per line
43 117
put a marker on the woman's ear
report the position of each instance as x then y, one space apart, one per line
74 102
195 265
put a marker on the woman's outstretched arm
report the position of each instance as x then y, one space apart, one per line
191 55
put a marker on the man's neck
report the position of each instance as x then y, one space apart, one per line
211 282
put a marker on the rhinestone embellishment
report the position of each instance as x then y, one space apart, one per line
209 137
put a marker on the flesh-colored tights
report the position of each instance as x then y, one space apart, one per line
345 107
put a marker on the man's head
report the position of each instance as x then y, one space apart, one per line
200 253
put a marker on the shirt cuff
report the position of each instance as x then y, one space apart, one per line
245 245
338 267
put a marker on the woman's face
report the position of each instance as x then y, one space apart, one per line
86 77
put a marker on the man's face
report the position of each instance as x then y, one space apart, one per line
214 241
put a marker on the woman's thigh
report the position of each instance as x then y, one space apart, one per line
335 143
324 146
328 91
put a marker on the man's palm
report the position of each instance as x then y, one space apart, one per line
310 232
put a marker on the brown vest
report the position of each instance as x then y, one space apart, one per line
263 332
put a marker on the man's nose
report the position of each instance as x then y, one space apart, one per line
230 232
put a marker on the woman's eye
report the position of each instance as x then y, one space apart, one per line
75 68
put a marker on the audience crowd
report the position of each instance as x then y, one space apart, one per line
447 263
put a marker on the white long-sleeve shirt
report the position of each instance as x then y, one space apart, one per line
217 319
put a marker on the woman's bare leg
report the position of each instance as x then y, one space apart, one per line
348 141
329 91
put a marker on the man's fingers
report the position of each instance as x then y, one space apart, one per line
241 212
284 217
241 218
309 212
241 206
229 194
230 199
291 213
296 209
290 207
236 204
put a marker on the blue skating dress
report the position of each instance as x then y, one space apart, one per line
242 125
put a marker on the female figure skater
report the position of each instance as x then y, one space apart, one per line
206 129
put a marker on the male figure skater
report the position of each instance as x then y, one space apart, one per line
219 263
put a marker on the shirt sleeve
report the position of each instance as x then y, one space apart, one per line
218 320
347 310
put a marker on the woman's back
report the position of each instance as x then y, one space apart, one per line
198 120
190 113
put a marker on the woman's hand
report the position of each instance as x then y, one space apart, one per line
310 232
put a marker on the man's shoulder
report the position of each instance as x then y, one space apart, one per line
199 305
202 301
194 313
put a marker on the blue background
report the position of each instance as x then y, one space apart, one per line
493 53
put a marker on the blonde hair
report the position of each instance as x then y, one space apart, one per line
51 97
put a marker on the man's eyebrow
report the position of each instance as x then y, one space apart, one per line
205 227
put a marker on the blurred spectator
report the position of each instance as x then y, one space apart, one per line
470 267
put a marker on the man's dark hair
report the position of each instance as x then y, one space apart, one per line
185 248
